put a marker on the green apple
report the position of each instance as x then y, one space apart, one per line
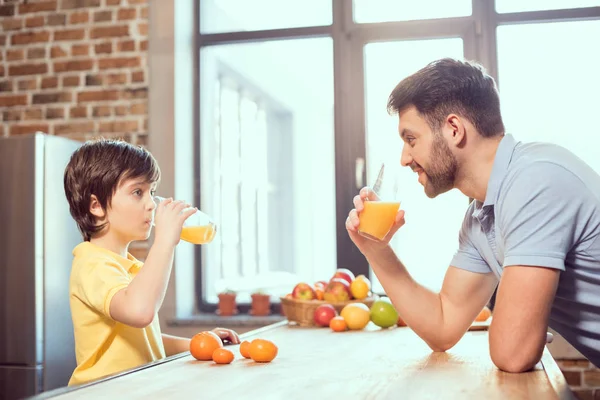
383 313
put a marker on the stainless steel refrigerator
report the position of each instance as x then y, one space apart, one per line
37 236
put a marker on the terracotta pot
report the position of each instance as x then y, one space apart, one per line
227 304
261 304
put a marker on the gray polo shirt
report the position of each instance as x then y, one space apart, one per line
542 208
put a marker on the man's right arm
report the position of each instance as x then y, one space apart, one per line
440 319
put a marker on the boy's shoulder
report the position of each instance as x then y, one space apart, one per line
88 256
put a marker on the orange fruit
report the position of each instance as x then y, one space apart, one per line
356 315
338 324
203 345
222 356
245 349
484 314
262 350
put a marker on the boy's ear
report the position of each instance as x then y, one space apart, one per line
96 208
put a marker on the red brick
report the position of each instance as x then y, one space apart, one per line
12 115
35 53
103 16
80 50
69 34
573 377
584 394
144 12
55 113
29 7
143 29
118 126
30 128
578 364
71 4
27 69
2 70
47 98
28 84
79 65
56 19
98 95
6 86
30 37
30 114
131 2
120 62
102 48
93 80
49 82
34 22
14 54
57 52
78 112
145 125
120 110
144 45
109 31
115 79
139 93
70 81
138 109
7 10
592 378
102 111
113 2
12 24
79 17
137 76
74 127
3 40
13 100
126 45
126 14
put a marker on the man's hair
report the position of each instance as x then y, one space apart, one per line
97 168
449 86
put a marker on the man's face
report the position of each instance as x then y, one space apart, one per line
427 153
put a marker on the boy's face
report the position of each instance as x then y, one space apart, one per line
131 210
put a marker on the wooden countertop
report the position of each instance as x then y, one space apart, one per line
319 363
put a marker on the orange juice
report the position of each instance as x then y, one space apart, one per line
377 218
198 234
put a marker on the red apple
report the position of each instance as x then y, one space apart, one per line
344 274
304 291
337 290
324 283
324 313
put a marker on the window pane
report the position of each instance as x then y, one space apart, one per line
218 16
366 11
551 94
267 147
507 6
429 239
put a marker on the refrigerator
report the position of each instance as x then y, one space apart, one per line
37 237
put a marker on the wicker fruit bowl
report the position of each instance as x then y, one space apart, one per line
302 312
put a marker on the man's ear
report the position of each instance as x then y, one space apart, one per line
96 208
456 130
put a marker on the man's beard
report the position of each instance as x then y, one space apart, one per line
441 173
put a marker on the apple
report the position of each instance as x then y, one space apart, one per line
337 290
383 313
304 291
324 314
345 274
323 283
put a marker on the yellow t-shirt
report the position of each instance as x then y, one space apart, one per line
102 345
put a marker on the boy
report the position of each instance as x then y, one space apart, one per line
114 301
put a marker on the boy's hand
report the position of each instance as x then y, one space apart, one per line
365 245
227 334
169 218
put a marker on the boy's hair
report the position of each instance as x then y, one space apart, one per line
97 168
449 86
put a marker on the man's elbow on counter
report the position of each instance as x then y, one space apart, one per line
514 362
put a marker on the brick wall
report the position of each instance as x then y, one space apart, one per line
76 68
583 378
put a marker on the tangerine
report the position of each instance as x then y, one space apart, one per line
222 356
338 324
245 349
484 314
203 345
262 350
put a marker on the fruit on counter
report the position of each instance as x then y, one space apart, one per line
337 290
484 314
321 283
304 291
356 315
204 344
345 274
401 321
360 287
320 289
324 314
262 350
245 349
383 313
338 324
222 356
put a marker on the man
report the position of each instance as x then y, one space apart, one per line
532 229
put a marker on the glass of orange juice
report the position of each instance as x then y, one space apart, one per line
198 228
382 205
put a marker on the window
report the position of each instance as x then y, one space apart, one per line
405 10
509 6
